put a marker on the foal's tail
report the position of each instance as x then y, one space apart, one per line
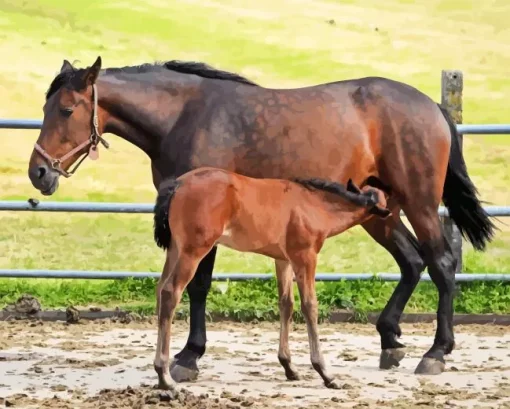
460 196
162 233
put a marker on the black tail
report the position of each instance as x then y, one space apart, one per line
460 196
350 193
162 233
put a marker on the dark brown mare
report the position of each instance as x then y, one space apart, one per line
284 220
188 115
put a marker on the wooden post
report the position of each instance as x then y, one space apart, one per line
452 83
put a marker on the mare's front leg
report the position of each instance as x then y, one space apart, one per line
285 275
184 367
396 238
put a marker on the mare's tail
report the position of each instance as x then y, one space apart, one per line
460 196
162 233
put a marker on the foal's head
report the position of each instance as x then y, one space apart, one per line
376 195
70 126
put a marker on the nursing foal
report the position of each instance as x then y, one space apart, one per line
285 220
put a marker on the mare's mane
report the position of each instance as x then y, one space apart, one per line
71 77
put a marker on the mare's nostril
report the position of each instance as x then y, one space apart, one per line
41 172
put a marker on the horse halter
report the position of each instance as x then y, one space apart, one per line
93 141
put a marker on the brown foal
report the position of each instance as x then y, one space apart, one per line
285 220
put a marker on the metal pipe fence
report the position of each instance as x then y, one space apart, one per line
465 129
115 275
144 208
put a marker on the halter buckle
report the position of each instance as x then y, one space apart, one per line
55 164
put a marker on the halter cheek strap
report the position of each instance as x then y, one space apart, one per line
93 142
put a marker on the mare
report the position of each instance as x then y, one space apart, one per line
285 220
186 115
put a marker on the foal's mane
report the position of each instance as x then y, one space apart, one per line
184 67
365 199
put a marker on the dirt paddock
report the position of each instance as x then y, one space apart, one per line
103 364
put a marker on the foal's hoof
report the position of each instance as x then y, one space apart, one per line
182 374
390 358
164 382
332 385
292 376
429 366
168 387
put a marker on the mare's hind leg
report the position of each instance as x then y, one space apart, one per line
441 265
304 265
395 237
285 275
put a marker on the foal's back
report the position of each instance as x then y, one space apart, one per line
265 216
243 213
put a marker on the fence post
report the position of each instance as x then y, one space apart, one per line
452 84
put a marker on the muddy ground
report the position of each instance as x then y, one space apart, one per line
103 364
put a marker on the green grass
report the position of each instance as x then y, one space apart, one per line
276 43
256 299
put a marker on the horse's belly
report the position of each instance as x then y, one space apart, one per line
243 243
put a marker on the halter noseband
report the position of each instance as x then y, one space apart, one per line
93 141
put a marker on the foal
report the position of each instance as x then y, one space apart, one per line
285 220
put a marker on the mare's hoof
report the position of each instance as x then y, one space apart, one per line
182 374
390 358
332 385
430 366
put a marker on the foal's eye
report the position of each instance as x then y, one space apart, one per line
66 112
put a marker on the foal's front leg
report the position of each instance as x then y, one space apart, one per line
304 268
285 275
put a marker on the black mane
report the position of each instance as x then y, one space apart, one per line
365 199
183 67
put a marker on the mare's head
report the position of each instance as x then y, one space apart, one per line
70 126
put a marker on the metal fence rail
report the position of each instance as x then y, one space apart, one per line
100 207
112 275
465 129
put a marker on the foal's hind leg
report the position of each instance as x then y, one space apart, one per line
285 275
304 267
171 293
441 267
184 367
395 237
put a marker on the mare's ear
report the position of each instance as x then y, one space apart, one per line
91 73
66 66
352 187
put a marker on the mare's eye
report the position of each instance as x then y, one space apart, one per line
66 112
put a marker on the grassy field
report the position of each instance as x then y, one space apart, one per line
276 43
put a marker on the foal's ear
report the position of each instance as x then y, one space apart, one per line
352 187
91 74
381 212
66 66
